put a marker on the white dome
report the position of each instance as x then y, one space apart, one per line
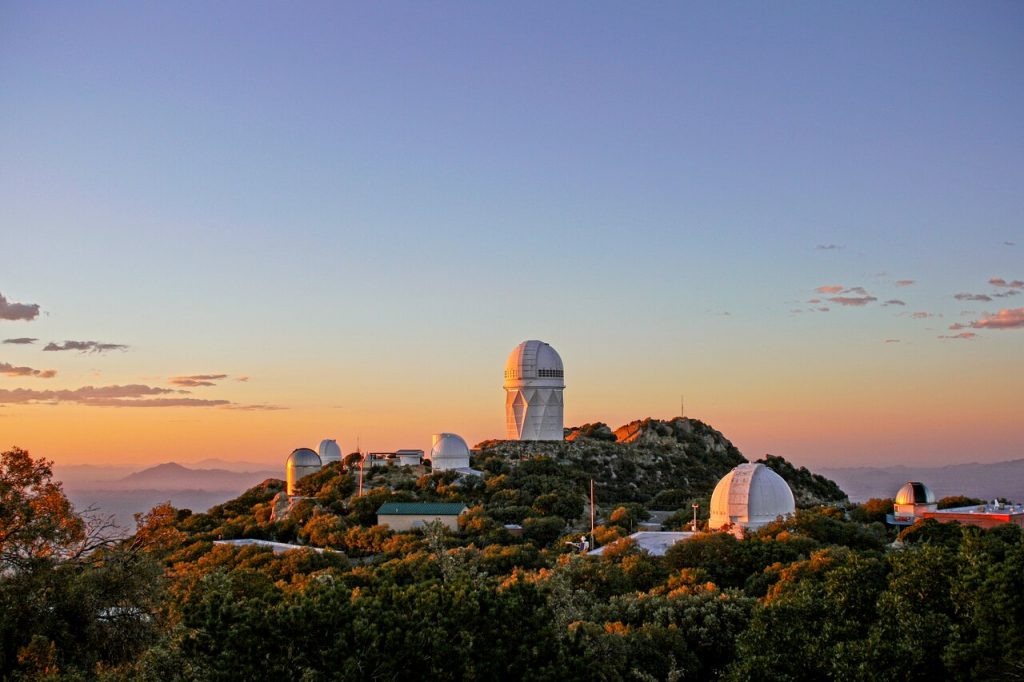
301 463
449 451
536 362
303 457
750 496
329 451
914 492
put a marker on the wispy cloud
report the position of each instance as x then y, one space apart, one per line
892 340
21 341
921 315
10 370
904 282
1008 318
829 247
17 311
894 301
157 402
86 395
84 346
243 379
966 336
1000 282
830 289
853 300
131 395
254 408
195 380
1009 243
972 297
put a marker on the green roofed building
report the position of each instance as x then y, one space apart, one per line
401 516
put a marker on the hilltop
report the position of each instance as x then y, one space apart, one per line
662 464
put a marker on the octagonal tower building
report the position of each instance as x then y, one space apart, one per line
534 381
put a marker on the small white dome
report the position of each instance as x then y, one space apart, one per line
914 492
303 457
750 496
449 451
534 360
329 451
301 463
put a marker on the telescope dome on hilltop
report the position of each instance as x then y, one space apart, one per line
914 492
329 451
913 500
301 463
750 496
449 451
534 381
534 360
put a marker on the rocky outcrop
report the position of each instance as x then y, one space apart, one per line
635 462
661 463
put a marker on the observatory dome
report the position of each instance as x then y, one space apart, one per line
329 451
750 496
532 360
302 462
913 500
534 382
448 451
914 492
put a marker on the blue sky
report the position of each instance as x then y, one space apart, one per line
353 202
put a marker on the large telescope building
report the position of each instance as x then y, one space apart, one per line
534 381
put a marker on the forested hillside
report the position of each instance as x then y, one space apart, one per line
821 595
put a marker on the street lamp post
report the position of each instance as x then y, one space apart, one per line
695 506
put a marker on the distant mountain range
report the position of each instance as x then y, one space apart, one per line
121 492
93 475
985 481
172 476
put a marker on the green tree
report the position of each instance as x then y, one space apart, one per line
72 596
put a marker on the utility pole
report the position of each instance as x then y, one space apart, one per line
362 461
695 517
682 406
592 512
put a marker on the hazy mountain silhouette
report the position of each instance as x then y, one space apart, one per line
111 492
173 476
986 481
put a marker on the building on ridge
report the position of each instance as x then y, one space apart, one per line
301 463
409 457
911 503
915 501
329 451
534 382
749 497
448 451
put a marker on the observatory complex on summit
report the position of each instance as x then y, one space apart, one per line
534 381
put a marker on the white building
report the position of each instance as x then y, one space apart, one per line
301 463
534 381
276 547
329 451
912 501
655 543
448 451
409 457
750 496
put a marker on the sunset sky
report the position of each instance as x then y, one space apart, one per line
231 229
